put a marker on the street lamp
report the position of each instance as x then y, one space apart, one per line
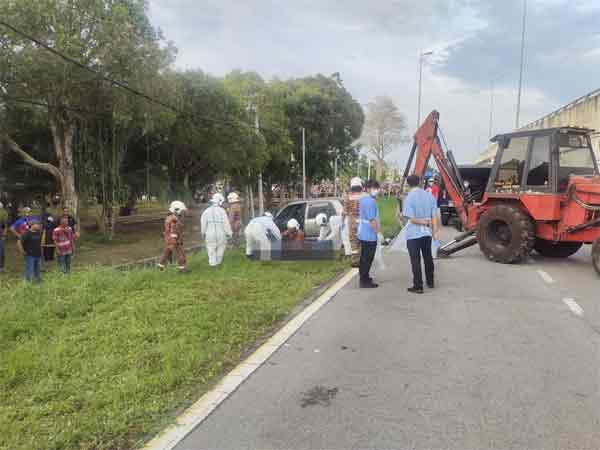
421 58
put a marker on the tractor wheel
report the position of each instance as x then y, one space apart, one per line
596 255
506 234
556 249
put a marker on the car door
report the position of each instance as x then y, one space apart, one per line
293 211
312 228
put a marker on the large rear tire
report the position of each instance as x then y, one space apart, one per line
556 249
506 234
596 255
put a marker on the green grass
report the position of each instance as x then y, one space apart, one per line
102 359
387 213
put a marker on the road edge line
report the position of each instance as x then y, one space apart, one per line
186 422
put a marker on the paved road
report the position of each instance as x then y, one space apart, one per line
493 358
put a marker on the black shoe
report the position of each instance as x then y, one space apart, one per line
368 285
431 285
415 290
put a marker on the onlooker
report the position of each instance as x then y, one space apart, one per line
22 224
30 245
72 221
3 232
368 229
48 225
64 237
420 209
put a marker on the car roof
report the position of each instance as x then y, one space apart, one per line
314 200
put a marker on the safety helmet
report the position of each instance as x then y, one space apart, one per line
233 198
356 182
177 207
293 224
321 219
268 214
217 199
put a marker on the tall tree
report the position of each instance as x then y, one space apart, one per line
113 37
384 129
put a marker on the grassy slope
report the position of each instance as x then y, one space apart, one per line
101 359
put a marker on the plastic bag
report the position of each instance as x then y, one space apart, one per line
379 252
399 243
435 247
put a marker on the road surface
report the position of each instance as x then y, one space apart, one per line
497 356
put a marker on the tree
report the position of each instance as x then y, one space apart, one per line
113 38
384 129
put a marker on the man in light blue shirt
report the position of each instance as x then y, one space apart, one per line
368 228
420 209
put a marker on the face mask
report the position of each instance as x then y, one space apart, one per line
374 192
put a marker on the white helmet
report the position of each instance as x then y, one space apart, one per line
321 219
356 182
217 199
233 198
1 205
293 224
177 207
268 214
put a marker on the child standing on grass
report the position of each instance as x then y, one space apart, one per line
30 246
64 239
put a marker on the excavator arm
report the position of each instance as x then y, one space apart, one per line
426 145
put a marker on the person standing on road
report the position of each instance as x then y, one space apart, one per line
30 246
368 229
235 218
351 212
64 238
173 235
3 233
216 229
421 211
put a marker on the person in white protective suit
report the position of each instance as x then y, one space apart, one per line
324 228
337 232
262 236
216 230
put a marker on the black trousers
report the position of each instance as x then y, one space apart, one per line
367 254
416 248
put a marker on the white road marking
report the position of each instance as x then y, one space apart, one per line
573 306
545 276
195 415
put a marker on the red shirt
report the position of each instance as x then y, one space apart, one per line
63 238
435 191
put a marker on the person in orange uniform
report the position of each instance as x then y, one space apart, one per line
173 234
351 212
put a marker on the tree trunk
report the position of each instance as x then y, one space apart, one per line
379 169
63 134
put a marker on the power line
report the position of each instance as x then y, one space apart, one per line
120 84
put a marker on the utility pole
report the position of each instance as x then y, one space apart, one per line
335 168
491 109
369 170
261 201
303 163
421 57
522 64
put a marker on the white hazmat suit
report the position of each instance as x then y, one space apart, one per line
216 230
338 233
262 236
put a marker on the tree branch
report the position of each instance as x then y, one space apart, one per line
6 143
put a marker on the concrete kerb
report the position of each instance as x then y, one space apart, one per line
192 417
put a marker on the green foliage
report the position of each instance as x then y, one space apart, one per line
100 359
388 207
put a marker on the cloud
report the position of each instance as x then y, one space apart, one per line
375 46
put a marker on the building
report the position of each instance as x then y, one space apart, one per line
582 112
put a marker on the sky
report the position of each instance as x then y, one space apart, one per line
375 46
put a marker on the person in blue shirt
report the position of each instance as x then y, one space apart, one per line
368 227
420 209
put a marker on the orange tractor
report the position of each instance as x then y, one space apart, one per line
543 193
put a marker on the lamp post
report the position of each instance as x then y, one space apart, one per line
522 64
421 58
